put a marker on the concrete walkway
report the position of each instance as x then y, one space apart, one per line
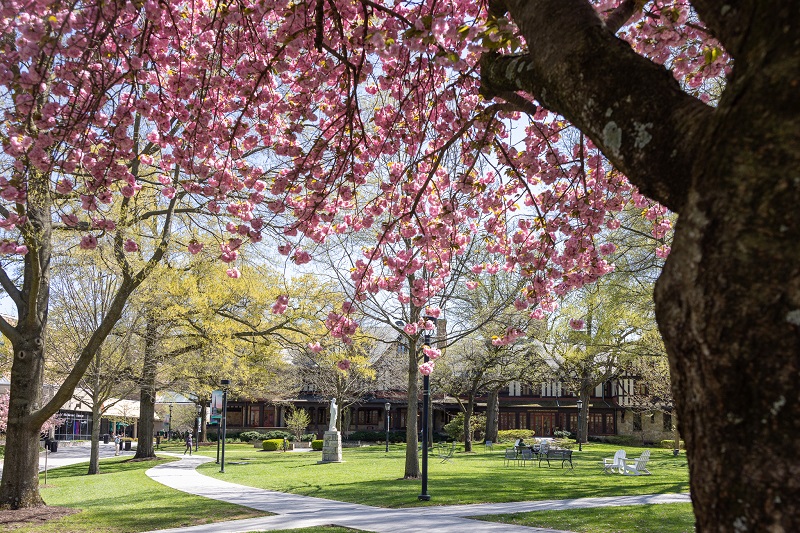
70 455
294 511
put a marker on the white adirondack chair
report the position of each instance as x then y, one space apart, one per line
638 466
616 464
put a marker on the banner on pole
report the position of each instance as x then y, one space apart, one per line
216 406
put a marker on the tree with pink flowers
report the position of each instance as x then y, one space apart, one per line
545 116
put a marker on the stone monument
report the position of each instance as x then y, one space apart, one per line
332 439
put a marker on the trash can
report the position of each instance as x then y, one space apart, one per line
53 445
127 445
105 438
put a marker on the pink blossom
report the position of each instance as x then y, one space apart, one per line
344 364
69 220
432 353
302 257
195 247
64 186
280 305
426 368
410 329
130 246
663 251
472 285
89 242
576 324
608 248
233 273
434 312
537 314
314 347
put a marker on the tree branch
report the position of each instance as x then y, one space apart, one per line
622 14
631 108
11 289
729 22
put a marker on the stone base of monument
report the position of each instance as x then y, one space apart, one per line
331 447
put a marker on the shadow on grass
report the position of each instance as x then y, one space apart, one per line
370 476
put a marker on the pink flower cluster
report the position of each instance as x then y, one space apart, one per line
426 369
280 305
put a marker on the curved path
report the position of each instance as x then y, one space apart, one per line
294 511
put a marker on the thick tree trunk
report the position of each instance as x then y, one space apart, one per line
492 414
728 301
20 484
94 455
147 395
412 457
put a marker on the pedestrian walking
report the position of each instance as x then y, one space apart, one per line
188 443
117 444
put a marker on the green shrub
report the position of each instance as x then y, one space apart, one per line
308 437
316 445
373 436
625 440
367 435
249 436
278 434
455 428
507 435
2 451
670 444
271 445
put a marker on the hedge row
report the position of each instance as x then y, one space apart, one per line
271 445
506 435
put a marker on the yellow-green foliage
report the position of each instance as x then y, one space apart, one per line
316 445
271 445
670 444
506 435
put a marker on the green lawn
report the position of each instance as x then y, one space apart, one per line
371 477
123 499
662 518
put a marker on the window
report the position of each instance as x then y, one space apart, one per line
508 420
255 415
367 416
637 421
667 419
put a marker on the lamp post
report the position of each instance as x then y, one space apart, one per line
426 392
580 417
225 383
169 431
387 406
197 431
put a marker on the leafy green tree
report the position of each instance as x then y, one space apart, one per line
297 421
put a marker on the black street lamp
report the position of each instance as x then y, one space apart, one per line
387 406
426 392
580 418
169 431
225 383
